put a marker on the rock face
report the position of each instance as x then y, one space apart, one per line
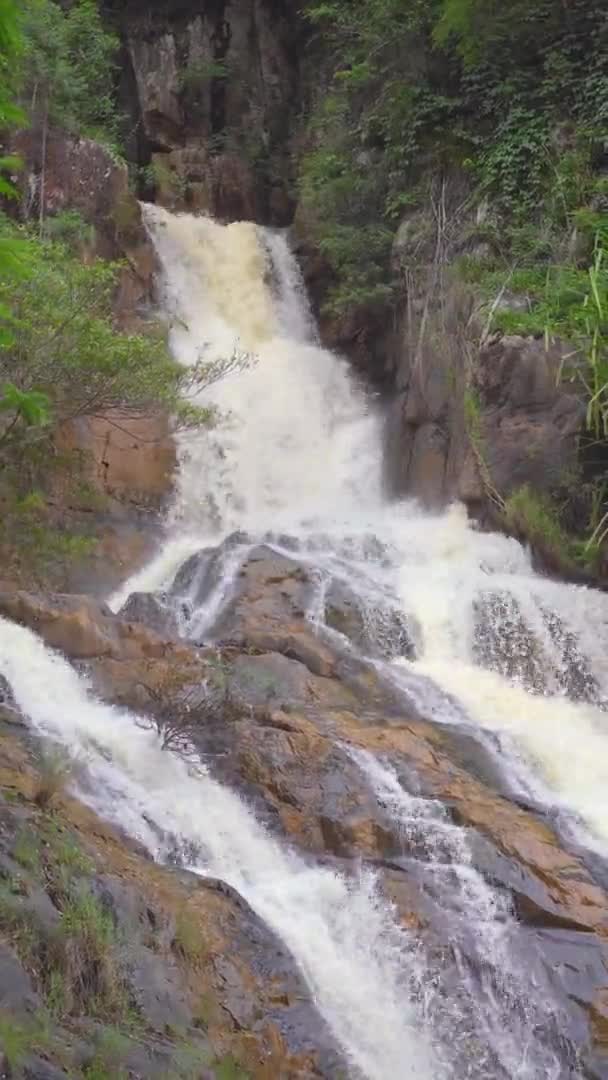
126 463
80 174
302 709
304 721
213 91
84 629
189 956
468 419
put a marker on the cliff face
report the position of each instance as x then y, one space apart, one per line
476 414
212 91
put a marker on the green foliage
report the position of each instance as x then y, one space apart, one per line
62 359
69 65
26 850
472 416
197 75
70 228
491 87
188 940
29 407
66 359
86 951
112 1045
560 301
11 47
15 1041
229 1069
54 766
535 518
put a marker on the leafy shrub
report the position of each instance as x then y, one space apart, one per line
534 517
418 87
15 1040
86 952
26 849
54 771
66 358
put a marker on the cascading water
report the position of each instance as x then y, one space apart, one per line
299 453
490 1003
296 458
351 953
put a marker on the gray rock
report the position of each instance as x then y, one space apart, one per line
17 993
37 1069
380 630
157 987
150 610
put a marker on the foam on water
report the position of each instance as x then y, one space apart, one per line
297 455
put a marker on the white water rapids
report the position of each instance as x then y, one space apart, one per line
298 454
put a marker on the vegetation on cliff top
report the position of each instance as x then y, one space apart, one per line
506 105
513 94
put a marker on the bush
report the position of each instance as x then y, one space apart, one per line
85 951
66 359
514 93
178 711
15 1041
54 771
188 940
26 850
534 518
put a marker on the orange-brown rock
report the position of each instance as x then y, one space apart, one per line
238 990
124 457
82 628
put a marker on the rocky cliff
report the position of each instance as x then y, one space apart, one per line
212 93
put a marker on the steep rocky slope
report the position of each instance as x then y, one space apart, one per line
200 976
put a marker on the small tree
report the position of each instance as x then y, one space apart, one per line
65 359
179 711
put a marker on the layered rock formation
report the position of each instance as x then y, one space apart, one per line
301 706
212 93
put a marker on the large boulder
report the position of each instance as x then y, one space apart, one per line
267 611
529 421
83 629
380 629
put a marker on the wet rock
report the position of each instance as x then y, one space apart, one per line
196 579
151 611
504 643
379 630
267 611
9 710
83 628
529 422
190 576
17 993
574 675
242 987
37 1069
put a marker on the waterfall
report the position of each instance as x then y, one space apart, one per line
519 1030
351 952
295 459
